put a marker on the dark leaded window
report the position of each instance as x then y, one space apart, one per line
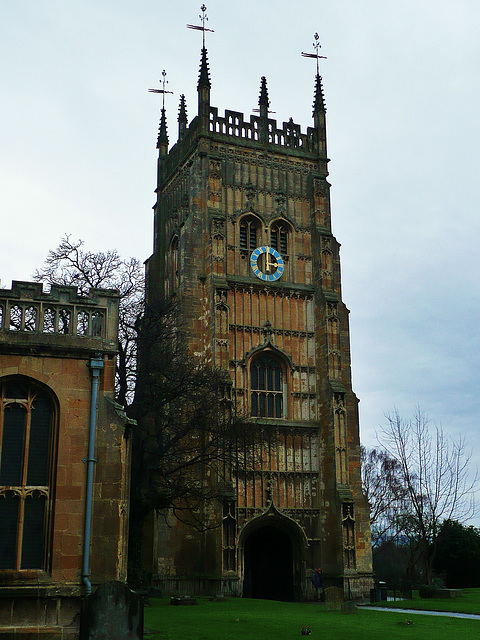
229 526
26 437
266 388
248 233
279 238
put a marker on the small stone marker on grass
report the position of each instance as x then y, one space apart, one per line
182 600
112 611
349 607
333 599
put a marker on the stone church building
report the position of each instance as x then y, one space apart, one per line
59 426
243 241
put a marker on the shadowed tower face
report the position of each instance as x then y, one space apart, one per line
243 242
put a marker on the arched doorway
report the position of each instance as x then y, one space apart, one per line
268 565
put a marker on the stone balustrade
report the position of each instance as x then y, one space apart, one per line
27 309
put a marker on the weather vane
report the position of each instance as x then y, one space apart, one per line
163 91
203 17
316 55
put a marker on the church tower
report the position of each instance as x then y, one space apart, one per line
243 239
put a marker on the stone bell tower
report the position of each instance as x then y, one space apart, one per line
243 238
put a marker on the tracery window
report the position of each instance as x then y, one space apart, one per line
30 319
279 238
348 522
26 455
83 319
64 321
266 387
49 320
228 536
249 233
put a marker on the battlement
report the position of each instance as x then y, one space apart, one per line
36 316
234 124
257 133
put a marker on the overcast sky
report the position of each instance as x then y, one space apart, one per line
77 155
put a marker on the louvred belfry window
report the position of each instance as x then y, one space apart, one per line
248 233
26 442
279 238
266 386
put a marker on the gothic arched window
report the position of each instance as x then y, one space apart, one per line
27 417
279 237
266 387
249 233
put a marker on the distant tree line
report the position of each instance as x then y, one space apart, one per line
72 265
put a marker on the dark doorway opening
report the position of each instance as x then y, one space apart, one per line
268 557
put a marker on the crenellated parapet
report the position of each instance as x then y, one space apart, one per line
234 127
30 315
233 124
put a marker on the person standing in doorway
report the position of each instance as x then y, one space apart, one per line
317 581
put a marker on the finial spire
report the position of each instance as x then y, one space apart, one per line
204 85
204 74
263 103
162 140
182 116
204 77
319 100
263 99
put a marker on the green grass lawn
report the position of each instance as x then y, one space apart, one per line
469 602
264 619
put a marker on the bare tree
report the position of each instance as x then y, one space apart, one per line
188 439
435 471
187 421
70 264
385 493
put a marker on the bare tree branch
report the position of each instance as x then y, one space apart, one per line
70 264
385 493
189 436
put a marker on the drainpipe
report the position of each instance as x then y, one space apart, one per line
96 365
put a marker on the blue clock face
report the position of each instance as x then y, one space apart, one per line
267 264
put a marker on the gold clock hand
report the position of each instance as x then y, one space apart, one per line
267 260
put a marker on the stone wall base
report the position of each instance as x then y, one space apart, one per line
182 586
44 611
357 587
38 633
